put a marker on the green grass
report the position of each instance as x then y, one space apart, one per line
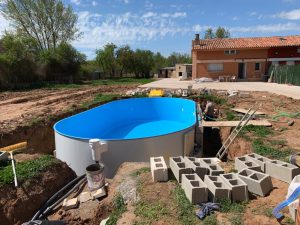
229 115
264 149
119 209
227 206
186 213
150 210
236 219
62 86
140 171
216 99
98 99
210 220
26 170
286 114
278 142
34 121
120 81
259 131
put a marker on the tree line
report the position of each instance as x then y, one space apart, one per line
38 48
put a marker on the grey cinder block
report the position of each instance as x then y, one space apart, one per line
239 189
179 167
258 159
196 166
213 168
194 188
244 162
281 170
217 188
258 183
159 169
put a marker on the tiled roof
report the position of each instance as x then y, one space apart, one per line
245 43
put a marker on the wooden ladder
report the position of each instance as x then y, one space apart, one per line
243 122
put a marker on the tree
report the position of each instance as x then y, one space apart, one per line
48 22
125 59
106 59
143 63
221 32
176 58
209 34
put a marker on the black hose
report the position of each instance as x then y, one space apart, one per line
50 208
56 195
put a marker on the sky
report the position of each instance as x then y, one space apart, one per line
168 26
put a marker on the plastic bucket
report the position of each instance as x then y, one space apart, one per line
95 176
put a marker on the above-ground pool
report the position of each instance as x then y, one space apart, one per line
135 129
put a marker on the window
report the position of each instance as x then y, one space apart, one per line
215 67
257 66
230 52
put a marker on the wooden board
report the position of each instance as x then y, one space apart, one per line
240 110
264 123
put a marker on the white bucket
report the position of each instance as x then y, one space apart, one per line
95 176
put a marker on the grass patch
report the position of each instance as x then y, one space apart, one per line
120 81
216 99
186 213
210 220
259 131
236 219
98 99
229 115
263 149
138 172
286 114
34 121
119 209
227 206
26 170
150 211
278 142
62 86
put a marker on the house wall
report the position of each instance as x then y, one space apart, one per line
230 63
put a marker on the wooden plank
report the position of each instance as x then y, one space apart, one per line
264 123
240 110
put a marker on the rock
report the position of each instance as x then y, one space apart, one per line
291 122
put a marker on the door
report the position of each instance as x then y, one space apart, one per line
241 72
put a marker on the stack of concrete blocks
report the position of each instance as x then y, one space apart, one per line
258 183
213 168
281 170
197 166
159 169
218 189
179 167
258 159
194 188
239 189
244 162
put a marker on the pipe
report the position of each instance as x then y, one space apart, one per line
56 195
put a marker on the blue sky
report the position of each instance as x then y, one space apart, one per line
169 26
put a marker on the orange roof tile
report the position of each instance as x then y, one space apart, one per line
245 43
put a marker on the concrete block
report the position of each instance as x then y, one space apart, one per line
244 95
244 162
196 166
84 197
98 193
281 170
212 166
159 169
194 188
217 188
70 203
179 167
258 183
239 189
258 159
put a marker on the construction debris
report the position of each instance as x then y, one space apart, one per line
101 192
70 203
264 123
241 110
84 197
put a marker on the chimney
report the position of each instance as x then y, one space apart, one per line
197 39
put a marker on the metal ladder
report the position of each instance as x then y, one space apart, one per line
243 122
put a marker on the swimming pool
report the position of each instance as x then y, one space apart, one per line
134 129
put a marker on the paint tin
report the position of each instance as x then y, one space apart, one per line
95 176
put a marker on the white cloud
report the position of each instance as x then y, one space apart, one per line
4 25
76 2
94 3
290 15
235 18
124 1
126 28
266 28
289 1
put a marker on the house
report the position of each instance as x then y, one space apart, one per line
245 58
178 70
